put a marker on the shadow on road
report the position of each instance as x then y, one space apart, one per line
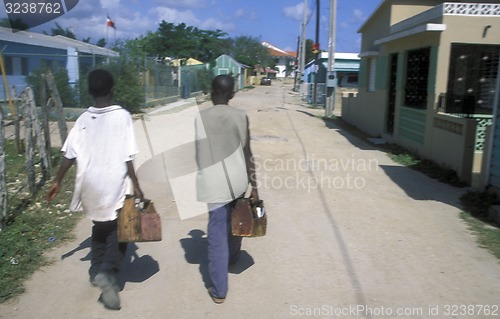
420 187
352 134
83 245
135 268
196 252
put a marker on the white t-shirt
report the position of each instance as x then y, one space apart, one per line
102 141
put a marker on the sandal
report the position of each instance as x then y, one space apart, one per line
217 300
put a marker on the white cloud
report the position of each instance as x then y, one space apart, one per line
354 20
248 14
110 4
191 4
295 12
358 15
214 24
189 18
239 13
176 16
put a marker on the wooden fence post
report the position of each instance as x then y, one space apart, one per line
17 123
3 175
31 116
29 149
51 83
46 105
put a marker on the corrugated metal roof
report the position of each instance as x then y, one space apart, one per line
57 42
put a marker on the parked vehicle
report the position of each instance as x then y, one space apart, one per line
348 81
265 81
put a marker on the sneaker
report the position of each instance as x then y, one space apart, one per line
109 296
92 281
217 300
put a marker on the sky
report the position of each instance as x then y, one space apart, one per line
275 21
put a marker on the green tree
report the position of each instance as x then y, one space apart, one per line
101 43
309 54
66 91
17 24
59 30
181 41
249 51
128 91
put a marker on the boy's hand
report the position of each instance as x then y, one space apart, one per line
254 195
53 191
138 193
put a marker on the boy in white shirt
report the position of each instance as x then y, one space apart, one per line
102 143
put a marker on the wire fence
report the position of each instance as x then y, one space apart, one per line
26 159
158 80
39 104
307 93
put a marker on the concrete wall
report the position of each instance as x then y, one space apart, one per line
403 9
375 28
452 143
365 112
494 153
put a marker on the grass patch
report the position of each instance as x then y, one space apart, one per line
476 205
488 237
431 169
32 227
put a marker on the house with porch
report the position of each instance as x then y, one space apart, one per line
285 60
24 52
429 81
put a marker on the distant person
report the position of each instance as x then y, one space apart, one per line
225 168
102 143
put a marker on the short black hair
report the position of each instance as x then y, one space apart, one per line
100 83
223 85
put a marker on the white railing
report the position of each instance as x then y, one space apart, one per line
448 8
472 9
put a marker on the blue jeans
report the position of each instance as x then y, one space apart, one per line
223 247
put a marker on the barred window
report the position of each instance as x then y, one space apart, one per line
472 78
417 78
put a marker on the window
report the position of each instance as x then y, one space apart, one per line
417 78
372 69
16 65
472 79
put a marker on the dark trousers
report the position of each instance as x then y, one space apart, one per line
107 253
223 247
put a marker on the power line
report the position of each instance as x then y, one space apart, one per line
311 12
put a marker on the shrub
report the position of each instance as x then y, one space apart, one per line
66 92
128 91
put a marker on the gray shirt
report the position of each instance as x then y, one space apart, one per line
221 135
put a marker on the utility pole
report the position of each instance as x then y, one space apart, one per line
316 57
302 61
330 77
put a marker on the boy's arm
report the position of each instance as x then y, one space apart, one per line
56 183
131 173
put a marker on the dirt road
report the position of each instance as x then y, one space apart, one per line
351 234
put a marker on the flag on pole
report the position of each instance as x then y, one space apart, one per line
110 23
